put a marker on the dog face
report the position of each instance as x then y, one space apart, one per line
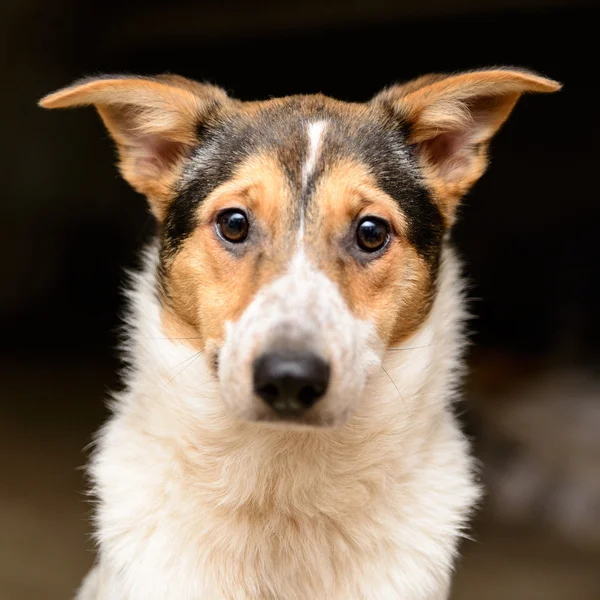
302 254
300 237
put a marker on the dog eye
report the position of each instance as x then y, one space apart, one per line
233 225
372 234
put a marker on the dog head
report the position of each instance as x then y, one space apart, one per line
300 237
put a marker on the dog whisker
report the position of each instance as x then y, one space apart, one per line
193 356
409 348
397 389
190 361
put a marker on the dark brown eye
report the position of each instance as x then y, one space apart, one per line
372 234
233 225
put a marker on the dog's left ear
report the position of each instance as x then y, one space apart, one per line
154 122
450 120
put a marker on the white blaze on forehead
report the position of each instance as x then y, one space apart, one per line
315 135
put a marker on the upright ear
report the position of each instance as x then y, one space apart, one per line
450 120
154 122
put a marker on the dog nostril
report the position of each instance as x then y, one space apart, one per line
310 394
268 391
290 381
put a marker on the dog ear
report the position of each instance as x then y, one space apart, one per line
154 122
450 119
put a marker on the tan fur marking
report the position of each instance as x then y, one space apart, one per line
392 290
208 284
153 122
436 102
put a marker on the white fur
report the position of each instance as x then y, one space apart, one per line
301 309
195 504
315 136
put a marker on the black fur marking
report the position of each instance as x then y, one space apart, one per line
212 164
389 162
226 145
384 150
376 140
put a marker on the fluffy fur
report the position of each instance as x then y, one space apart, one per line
197 504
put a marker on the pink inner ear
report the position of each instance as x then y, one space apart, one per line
453 152
450 153
153 154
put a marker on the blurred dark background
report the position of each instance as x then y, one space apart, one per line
528 235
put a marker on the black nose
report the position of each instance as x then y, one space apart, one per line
290 381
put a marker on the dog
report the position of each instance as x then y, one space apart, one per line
295 340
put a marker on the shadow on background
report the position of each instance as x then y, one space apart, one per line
527 233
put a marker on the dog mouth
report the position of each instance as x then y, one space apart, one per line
302 420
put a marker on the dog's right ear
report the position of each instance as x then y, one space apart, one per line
154 122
